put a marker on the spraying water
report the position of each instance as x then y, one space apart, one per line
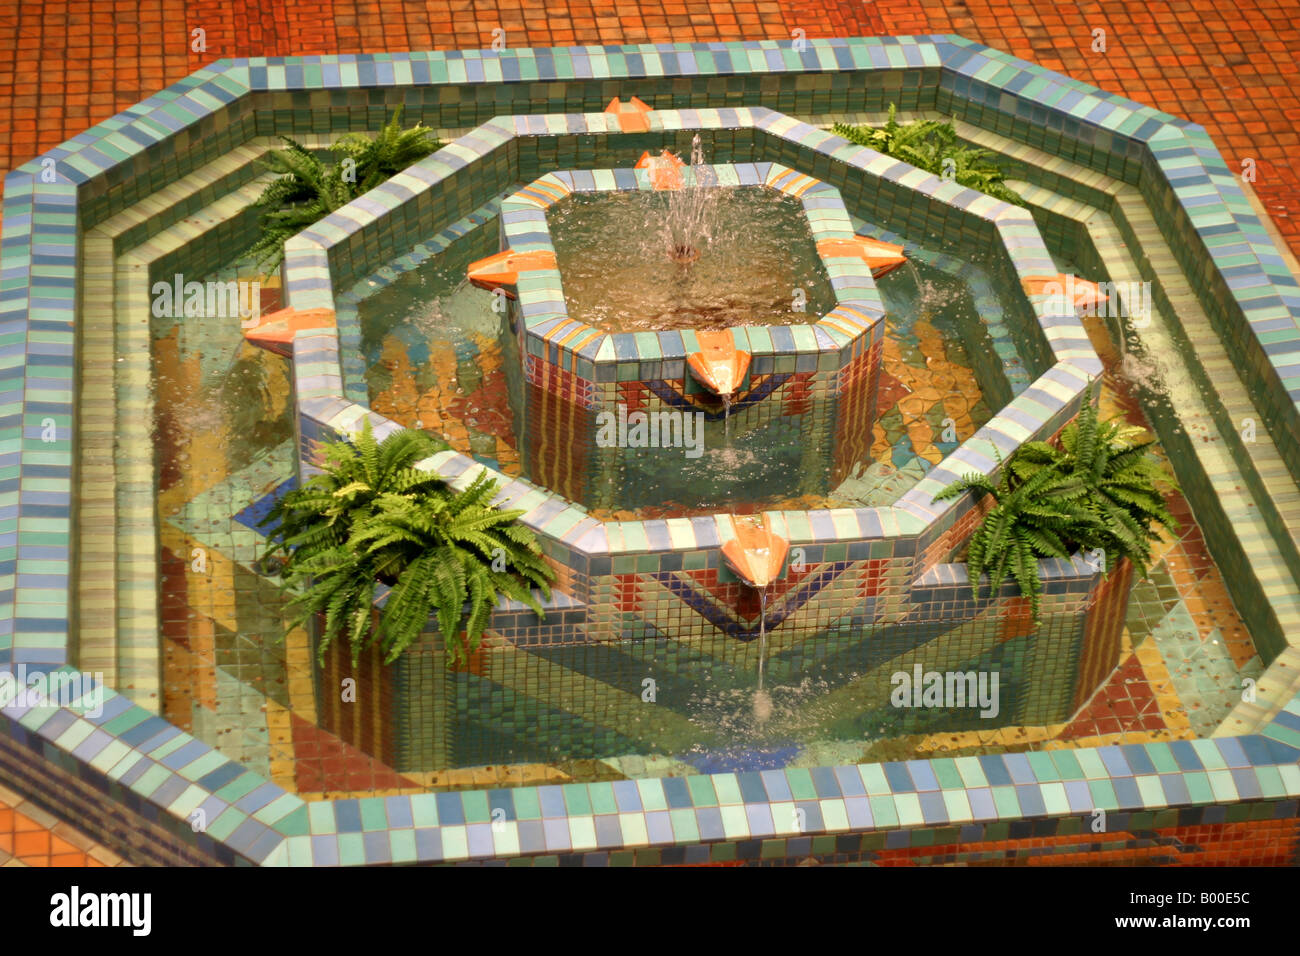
686 227
762 699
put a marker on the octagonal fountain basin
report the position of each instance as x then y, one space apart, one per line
758 628
696 258
433 354
650 661
649 310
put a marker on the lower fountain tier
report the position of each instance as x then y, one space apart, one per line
672 447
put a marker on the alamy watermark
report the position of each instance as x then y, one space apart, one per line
80 692
208 300
133 911
949 689
665 429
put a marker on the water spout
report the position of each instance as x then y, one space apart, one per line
719 366
880 257
755 555
762 699
1073 293
276 331
691 200
501 271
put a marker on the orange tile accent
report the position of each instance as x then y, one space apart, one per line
719 366
665 169
631 115
880 257
500 271
276 332
755 555
1084 293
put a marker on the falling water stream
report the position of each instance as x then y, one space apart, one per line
922 289
762 699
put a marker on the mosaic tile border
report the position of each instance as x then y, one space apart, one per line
148 765
599 356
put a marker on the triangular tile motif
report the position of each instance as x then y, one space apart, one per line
325 764
1124 703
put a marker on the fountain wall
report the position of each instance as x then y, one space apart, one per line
676 675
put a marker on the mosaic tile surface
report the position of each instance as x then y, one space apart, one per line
1226 783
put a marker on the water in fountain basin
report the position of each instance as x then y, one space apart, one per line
434 355
755 249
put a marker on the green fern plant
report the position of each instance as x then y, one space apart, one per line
1124 482
370 518
309 188
1099 489
387 153
926 144
307 191
1045 516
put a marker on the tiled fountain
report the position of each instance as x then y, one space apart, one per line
864 589
830 359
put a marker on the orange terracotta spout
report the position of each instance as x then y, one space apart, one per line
1082 294
880 257
632 115
275 331
719 366
755 555
502 270
665 169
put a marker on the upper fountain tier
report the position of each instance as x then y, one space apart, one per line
779 276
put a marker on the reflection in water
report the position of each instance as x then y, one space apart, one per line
437 357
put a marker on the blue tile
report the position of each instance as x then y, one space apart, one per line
1185 755
995 771
1126 792
1113 758
933 808
922 776
347 816
900 781
1019 768
709 820
376 847
1139 760
677 792
659 827
451 811
850 782
825 783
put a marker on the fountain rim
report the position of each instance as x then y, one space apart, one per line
857 312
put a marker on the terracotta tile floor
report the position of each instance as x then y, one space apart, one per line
65 65
31 837
1230 65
